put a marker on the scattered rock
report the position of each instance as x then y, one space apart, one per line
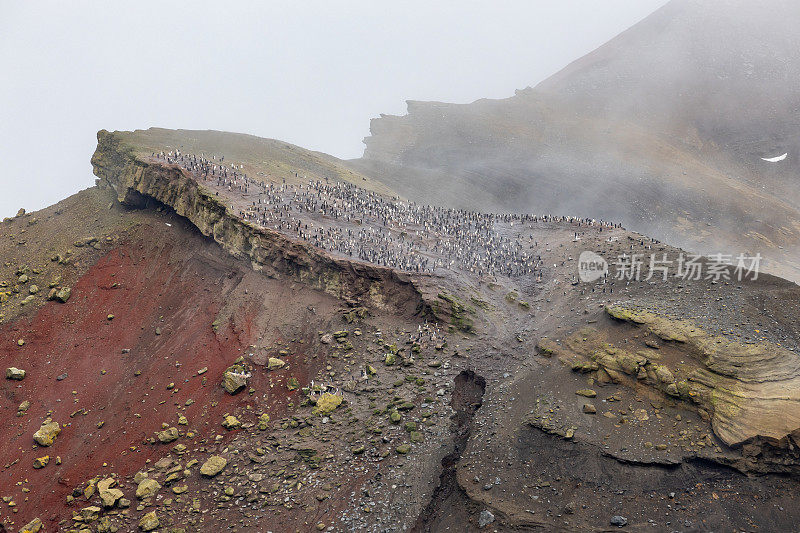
485 518
619 521
235 378
109 496
16 374
327 403
149 522
168 435
589 409
230 423
274 363
60 295
90 514
47 433
213 466
41 462
147 488
34 526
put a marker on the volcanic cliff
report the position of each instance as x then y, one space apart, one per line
206 373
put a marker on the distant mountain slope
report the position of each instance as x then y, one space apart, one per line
663 129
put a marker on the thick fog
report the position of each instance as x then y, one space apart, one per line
311 73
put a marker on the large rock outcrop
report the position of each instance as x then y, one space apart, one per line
139 182
750 392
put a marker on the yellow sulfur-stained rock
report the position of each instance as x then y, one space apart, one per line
327 403
47 433
34 526
213 466
149 521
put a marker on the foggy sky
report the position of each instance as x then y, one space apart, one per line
310 73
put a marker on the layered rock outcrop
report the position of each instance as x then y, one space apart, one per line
139 182
749 392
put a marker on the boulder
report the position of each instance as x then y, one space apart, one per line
14 373
168 435
147 488
485 518
619 521
109 496
234 379
104 525
327 403
60 295
274 363
34 526
213 466
230 423
47 433
149 521
91 513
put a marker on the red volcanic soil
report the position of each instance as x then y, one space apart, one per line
150 281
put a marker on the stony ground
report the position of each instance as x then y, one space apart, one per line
192 393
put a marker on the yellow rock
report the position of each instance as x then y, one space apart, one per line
46 434
230 423
213 465
34 526
274 363
149 522
327 403
147 488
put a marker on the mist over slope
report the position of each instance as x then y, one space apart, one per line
663 129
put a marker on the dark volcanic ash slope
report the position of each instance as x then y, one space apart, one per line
208 374
663 128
